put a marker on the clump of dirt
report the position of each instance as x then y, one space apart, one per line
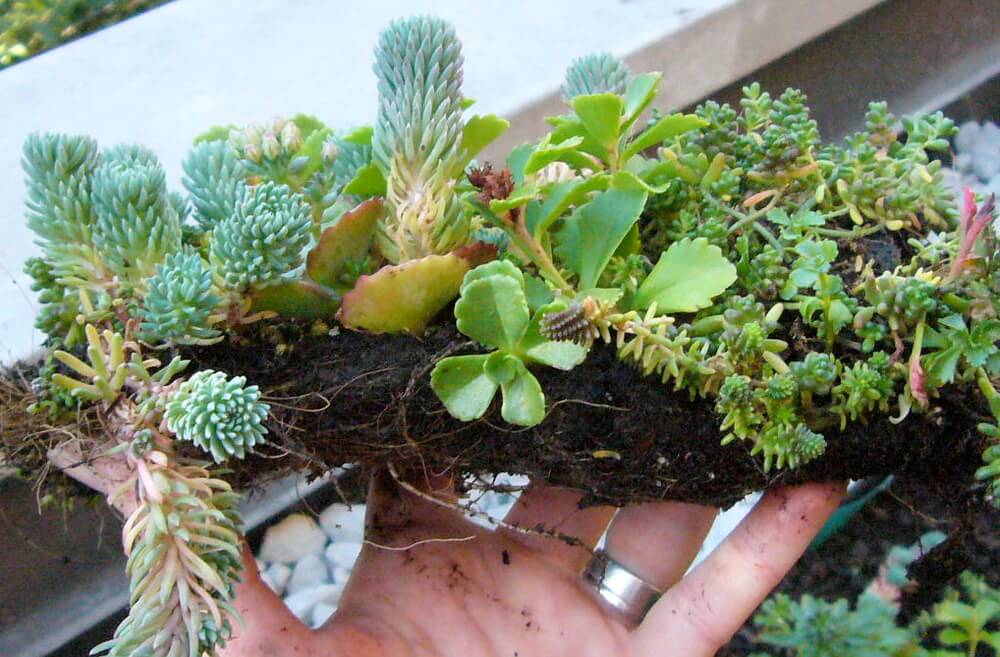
619 437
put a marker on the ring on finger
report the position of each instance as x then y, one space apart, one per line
617 587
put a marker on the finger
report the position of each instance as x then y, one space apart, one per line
659 541
708 606
555 514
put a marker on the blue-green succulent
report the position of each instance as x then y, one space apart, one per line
179 302
418 137
222 416
214 178
263 240
137 225
595 73
58 171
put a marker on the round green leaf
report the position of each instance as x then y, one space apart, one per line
493 311
462 385
686 278
523 400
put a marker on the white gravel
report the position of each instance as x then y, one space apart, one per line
977 158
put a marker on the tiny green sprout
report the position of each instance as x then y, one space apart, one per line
263 241
492 309
222 416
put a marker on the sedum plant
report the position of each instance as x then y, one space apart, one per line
595 74
222 416
798 288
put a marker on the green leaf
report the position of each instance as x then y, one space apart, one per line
546 153
628 180
479 131
348 240
460 382
308 124
361 136
518 197
559 354
369 181
639 93
942 365
560 197
601 115
523 400
496 267
537 292
493 311
295 299
591 235
686 278
666 128
312 148
404 297
518 160
501 367
215 133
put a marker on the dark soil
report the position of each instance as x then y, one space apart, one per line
621 438
845 565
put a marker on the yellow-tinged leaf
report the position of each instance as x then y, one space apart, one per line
403 298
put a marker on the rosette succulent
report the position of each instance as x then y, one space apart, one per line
263 240
179 301
222 416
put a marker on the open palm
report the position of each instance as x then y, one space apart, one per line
430 583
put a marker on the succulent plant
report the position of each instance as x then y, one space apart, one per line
137 224
179 301
418 137
183 548
222 416
214 178
263 240
595 73
58 171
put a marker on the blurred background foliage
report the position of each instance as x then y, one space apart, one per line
30 27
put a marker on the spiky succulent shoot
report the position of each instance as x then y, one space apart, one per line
183 549
222 416
418 136
109 366
179 302
214 178
262 242
137 225
594 74
58 171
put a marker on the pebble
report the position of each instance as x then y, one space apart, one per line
309 571
344 523
321 613
276 576
342 554
291 539
302 603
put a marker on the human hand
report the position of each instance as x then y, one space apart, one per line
431 583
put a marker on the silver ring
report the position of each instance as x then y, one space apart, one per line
626 593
